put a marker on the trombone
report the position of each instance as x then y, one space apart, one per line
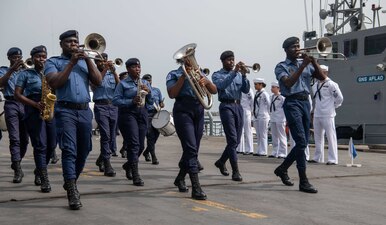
323 48
94 45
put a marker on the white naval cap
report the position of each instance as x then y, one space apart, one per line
258 80
275 84
324 67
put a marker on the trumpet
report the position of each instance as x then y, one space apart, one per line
28 63
323 48
118 62
255 67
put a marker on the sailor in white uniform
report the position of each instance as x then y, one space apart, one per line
327 97
246 141
278 122
261 104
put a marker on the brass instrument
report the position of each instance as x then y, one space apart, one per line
28 63
48 99
94 45
255 67
118 62
323 48
185 55
141 93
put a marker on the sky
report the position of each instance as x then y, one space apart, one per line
153 30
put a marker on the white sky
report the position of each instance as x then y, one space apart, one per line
152 30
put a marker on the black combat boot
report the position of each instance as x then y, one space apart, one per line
127 168
54 158
123 151
283 174
154 159
146 154
45 186
37 180
99 163
180 181
222 167
137 180
18 172
197 192
236 176
72 194
200 167
109 171
304 185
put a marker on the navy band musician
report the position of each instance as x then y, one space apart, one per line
188 114
231 81
294 77
14 111
70 75
106 114
130 96
31 87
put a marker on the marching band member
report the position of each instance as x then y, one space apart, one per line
41 132
231 81
261 104
132 116
278 123
106 114
294 76
246 141
14 112
124 147
152 133
328 97
188 115
70 75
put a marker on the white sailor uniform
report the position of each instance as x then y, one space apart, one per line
278 122
246 141
260 112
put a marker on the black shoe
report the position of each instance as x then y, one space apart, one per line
247 153
256 154
180 183
271 156
236 176
305 186
312 161
114 154
72 194
54 158
147 156
222 168
123 152
154 161
99 163
137 180
45 186
200 167
331 163
283 176
197 192
37 180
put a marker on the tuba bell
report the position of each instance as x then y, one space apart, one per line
186 55
94 44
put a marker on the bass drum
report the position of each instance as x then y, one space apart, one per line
163 122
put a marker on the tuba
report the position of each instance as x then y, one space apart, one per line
48 99
186 55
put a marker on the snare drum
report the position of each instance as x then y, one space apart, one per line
163 122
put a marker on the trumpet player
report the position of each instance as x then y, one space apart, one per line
294 77
106 114
70 75
152 134
231 81
14 112
130 96
188 114
42 133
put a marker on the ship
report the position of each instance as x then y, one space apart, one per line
357 62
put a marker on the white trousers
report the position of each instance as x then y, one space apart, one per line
279 139
261 127
325 125
307 150
246 141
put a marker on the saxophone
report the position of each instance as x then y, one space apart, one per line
141 93
48 99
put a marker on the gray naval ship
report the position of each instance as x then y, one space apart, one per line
353 47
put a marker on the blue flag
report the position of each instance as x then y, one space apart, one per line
351 149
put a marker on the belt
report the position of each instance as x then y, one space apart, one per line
71 105
102 102
230 101
10 98
298 96
186 98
